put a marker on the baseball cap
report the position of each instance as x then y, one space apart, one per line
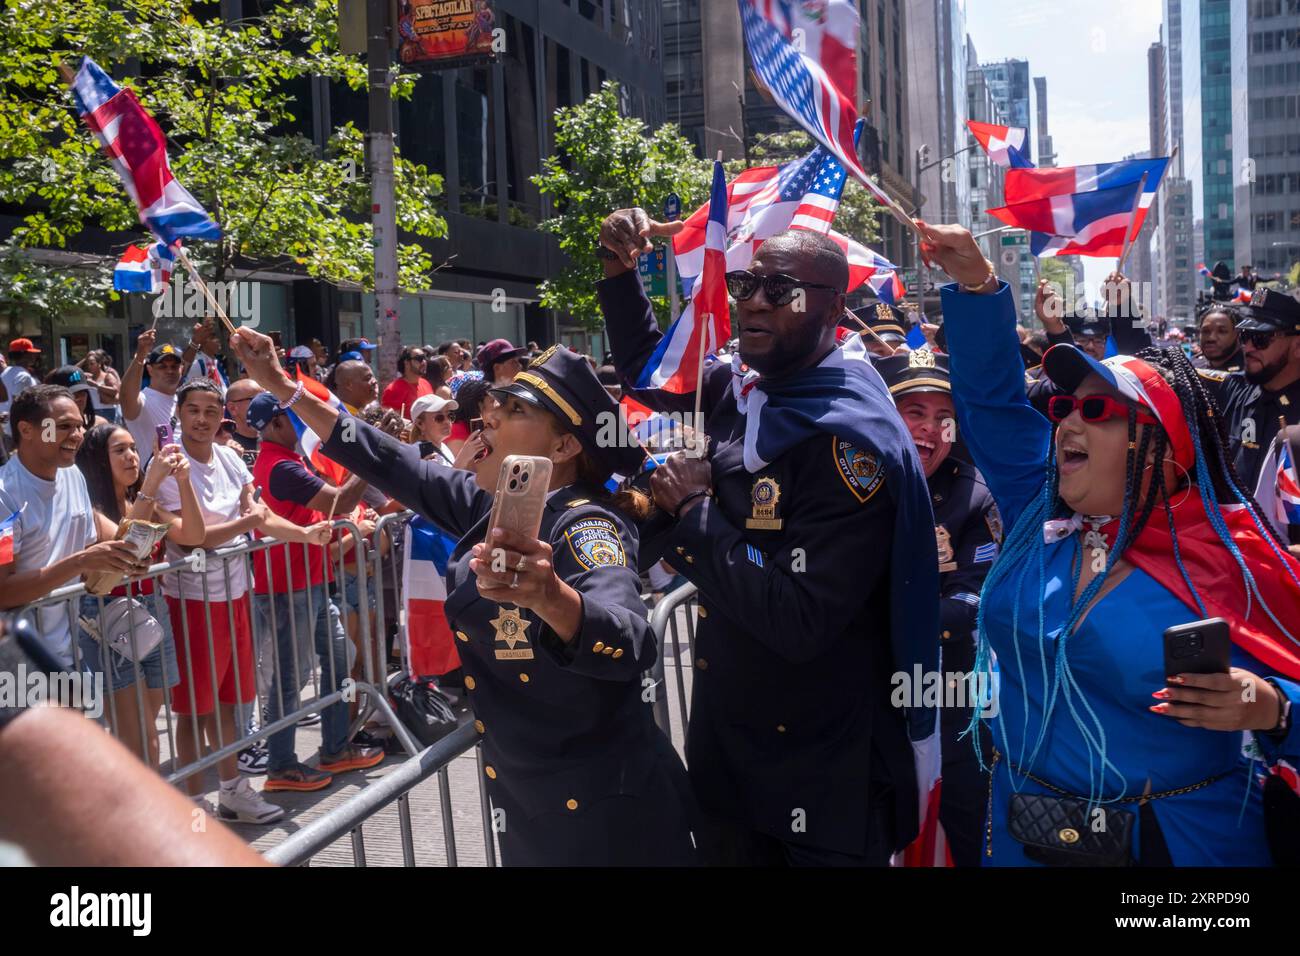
70 377
301 352
262 410
431 403
160 352
23 345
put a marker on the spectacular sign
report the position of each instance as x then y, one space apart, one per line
447 33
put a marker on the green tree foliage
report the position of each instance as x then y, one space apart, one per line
606 161
226 95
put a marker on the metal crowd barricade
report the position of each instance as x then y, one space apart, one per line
73 601
665 622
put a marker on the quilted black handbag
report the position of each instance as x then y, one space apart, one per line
1058 831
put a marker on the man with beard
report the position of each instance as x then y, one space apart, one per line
1220 345
1266 395
808 530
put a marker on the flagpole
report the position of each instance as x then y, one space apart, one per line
993 232
1130 234
194 274
868 329
705 339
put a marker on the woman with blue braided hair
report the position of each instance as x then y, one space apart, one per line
1126 517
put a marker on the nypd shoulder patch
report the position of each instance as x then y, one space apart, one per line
595 543
993 519
862 471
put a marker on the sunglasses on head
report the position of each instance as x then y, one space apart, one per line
777 287
1093 409
1258 339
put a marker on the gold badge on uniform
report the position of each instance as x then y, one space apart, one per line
883 313
944 541
766 494
510 628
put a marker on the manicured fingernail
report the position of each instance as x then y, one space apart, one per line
497 533
1161 695
1175 680
1158 708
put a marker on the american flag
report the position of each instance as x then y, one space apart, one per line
761 202
801 87
828 32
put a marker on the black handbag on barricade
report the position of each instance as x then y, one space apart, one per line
423 709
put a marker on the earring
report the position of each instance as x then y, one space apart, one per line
1186 475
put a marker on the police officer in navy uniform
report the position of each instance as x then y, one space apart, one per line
1265 396
887 327
796 753
968 533
552 632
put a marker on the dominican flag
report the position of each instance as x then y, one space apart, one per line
828 34
430 647
761 202
137 149
1081 210
7 528
888 287
1278 491
1288 486
1242 297
310 441
144 269
705 324
801 86
1007 146
1201 269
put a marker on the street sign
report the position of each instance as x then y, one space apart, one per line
1015 239
672 207
653 267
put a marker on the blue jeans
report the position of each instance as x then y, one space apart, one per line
159 668
294 615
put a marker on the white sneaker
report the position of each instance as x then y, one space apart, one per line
243 804
204 804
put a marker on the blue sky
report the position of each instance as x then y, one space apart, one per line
1094 55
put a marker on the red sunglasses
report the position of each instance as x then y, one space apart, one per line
1093 409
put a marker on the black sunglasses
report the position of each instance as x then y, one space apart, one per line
778 288
1258 339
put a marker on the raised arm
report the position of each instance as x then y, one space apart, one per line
448 498
630 321
129 394
1007 438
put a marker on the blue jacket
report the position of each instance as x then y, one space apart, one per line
1115 655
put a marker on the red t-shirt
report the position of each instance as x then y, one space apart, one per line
269 456
400 394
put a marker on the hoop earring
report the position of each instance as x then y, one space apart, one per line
1186 474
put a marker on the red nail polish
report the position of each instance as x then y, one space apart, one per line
1158 708
1161 695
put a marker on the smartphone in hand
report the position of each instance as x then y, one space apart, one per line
521 495
165 436
1201 647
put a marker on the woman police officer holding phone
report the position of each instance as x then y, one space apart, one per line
554 639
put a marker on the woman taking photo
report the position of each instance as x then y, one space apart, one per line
111 465
1125 518
552 630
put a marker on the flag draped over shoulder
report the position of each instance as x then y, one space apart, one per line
137 149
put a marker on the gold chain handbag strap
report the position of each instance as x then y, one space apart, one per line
1140 798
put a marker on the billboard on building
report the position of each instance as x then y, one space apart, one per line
442 34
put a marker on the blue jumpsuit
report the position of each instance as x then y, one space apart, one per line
1116 655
